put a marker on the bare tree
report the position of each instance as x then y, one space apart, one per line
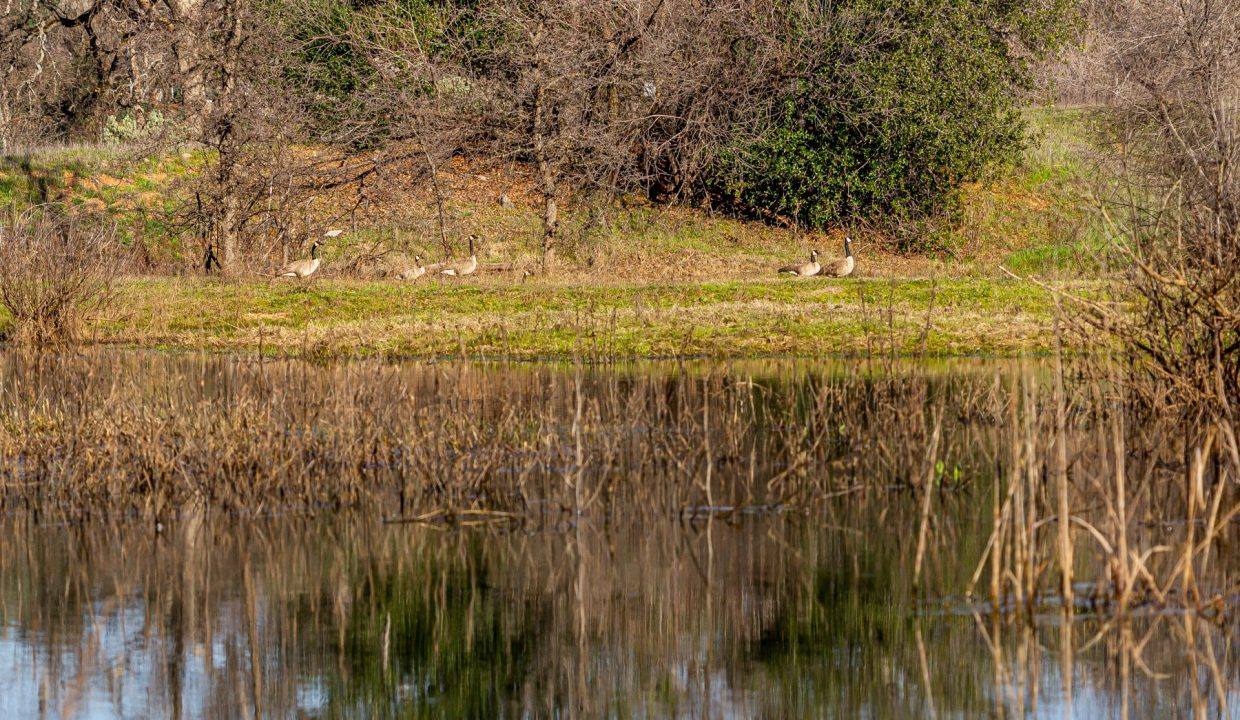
622 96
550 94
1173 201
410 98
67 65
253 197
188 21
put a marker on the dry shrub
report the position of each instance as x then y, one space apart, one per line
56 268
1172 197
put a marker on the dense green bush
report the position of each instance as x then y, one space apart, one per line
326 68
896 106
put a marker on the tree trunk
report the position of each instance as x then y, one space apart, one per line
546 173
6 122
224 135
551 213
229 207
228 233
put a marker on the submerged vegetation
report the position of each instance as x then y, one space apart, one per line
514 539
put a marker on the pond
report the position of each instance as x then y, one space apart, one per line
751 588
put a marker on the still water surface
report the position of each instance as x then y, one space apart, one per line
774 614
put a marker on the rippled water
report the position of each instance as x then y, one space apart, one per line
777 612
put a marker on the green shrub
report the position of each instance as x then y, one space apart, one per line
131 127
899 103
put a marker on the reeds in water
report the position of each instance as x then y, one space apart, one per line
1064 472
142 435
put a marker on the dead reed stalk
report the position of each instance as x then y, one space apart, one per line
154 437
927 496
1061 475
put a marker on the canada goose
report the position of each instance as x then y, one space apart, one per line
844 266
304 268
412 273
803 269
466 268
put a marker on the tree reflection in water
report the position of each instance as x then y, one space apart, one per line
780 616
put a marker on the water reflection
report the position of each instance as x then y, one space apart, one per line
776 616
211 571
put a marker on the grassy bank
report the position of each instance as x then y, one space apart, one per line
632 280
331 318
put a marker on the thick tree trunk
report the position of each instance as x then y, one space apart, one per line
228 233
219 125
551 214
229 207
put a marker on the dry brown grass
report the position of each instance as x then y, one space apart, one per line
149 436
253 438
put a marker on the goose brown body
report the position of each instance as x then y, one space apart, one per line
844 266
414 272
805 269
465 268
302 268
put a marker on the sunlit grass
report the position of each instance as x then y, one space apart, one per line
333 318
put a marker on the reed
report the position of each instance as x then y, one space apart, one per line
139 435
1122 485
1058 466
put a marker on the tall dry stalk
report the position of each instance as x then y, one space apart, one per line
1169 196
1124 580
1061 476
927 497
